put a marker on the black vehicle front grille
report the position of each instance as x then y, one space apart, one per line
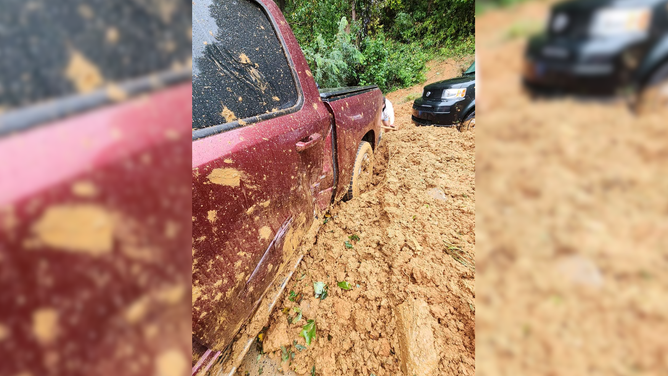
433 94
577 24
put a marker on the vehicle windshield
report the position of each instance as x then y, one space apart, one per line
471 69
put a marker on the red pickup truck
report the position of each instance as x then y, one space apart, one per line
271 152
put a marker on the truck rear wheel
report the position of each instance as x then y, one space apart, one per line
362 171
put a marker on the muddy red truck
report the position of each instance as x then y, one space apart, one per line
271 153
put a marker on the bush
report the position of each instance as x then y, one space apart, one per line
388 44
433 23
458 48
404 27
310 18
390 64
334 63
382 61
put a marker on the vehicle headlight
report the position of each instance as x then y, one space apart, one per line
454 93
610 22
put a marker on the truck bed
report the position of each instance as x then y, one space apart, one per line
333 94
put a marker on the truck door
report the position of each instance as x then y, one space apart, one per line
259 136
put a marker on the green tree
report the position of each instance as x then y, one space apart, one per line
334 63
386 42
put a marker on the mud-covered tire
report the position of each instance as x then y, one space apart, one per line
654 95
468 123
362 171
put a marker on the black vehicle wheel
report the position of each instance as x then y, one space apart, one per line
362 171
529 90
654 95
468 123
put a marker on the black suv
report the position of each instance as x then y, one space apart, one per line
450 102
602 47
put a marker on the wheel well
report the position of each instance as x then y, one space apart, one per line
644 80
468 112
370 138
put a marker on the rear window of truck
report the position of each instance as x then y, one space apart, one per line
240 69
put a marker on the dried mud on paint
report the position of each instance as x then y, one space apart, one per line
225 176
83 228
83 74
404 252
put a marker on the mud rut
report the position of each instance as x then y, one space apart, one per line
416 241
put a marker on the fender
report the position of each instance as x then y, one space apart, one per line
652 60
467 109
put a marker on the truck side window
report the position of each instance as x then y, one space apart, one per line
240 69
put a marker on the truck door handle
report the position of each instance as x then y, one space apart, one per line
312 140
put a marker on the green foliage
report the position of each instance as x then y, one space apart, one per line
308 332
404 27
298 346
297 317
285 355
523 29
309 18
386 42
432 23
458 48
345 285
482 6
391 64
412 97
321 290
334 63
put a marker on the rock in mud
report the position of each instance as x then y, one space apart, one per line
343 308
416 338
277 336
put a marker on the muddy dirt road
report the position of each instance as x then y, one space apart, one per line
410 237
572 231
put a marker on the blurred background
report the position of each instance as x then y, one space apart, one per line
95 113
572 212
